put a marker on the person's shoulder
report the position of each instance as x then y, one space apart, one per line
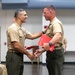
56 20
12 27
65 40
24 29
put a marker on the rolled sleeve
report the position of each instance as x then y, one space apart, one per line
57 28
28 34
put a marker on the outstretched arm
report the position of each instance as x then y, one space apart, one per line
22 50
39 52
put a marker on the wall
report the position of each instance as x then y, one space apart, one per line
34 24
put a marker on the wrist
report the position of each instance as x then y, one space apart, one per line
43 50
27 53
50 44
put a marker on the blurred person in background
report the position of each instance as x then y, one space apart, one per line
64 44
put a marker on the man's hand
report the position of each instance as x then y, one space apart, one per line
46 46
30 56
38 52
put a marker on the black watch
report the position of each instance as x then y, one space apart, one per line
50 44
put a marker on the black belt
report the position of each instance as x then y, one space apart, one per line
15 52
57 48
12 50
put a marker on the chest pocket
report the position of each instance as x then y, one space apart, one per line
21 35
49 31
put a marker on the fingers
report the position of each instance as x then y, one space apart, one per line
31 56
46 46
37 53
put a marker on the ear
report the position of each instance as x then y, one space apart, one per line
19 15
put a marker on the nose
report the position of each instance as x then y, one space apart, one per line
26 16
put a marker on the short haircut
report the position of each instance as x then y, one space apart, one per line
51 7
17 12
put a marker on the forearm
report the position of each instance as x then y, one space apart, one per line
20 48
56 38
35 35
42 50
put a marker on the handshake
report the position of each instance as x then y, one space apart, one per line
34 54
46 45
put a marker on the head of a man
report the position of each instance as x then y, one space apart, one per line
49 12
20 15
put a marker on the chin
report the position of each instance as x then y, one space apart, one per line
24 21
46 19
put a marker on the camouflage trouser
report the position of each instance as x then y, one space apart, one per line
14 63
54 61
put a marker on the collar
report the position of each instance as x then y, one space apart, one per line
53 20
19 27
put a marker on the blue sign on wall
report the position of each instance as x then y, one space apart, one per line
37 4
14 1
